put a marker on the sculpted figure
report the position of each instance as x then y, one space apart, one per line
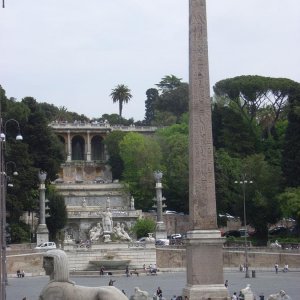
119 231
60 287
279 296
95 232
107 220
140 295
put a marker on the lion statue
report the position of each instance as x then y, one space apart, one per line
60 287
279 296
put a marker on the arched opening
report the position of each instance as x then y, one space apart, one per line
78 148
63 142
97 148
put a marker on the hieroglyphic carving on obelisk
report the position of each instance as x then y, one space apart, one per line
203 243
202 180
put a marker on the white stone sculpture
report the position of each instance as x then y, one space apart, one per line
60 287
279 296
140 295
120 233
107 220
247 292
132 203
275 245
96 232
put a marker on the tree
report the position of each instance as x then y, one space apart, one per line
152 98
143 226
290 203
168 83
141 156
122 94
291 149
57 212
112 142
173 142
252 93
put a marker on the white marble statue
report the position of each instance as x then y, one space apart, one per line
279 296
140 295
107 220
60 287
95 232
120 233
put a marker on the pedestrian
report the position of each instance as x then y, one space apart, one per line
174 297
234 296
286 268
101 271
18 273
226 283
23 274
127 271
111 282
276 268
159 292
241 296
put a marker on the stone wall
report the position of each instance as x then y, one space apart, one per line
176 258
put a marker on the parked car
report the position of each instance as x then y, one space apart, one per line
176 236
234 233
162 242
46 246
279 230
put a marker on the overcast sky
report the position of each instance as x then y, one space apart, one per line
73 53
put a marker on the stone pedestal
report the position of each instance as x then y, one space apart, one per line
161 231
42 234
205 266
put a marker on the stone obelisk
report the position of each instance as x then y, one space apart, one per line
204 243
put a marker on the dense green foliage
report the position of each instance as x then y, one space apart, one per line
143 226
57 213
256 133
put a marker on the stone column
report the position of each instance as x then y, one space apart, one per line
42 233
69 149
88 154
204 243
161 232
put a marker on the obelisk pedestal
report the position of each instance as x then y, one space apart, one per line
204 244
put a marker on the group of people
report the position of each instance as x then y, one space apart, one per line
20 274
285 268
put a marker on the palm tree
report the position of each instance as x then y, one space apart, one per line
122 94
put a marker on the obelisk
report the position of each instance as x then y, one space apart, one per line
204 243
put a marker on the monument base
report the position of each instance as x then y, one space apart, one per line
206 292
204 253
42 234
161 231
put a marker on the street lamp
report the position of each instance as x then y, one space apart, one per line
243 182
3 275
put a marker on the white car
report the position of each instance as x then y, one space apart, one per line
46 246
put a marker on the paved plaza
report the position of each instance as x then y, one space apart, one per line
266 282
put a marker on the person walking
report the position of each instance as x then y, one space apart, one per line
226 283
159 292
276 268
127 271
111 282
234 296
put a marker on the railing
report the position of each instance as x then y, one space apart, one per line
101 125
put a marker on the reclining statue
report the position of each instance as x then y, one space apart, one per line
279 296
60 287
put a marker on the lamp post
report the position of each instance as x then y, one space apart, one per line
243 182
3 275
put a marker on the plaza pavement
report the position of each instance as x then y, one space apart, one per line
266 282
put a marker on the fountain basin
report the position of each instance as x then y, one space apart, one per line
110 264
